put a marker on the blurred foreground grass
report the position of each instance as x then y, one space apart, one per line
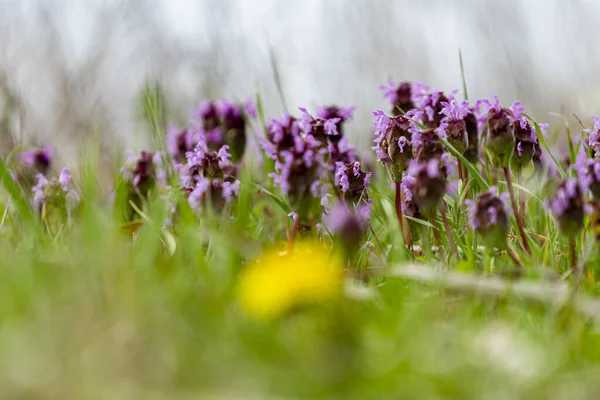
85 312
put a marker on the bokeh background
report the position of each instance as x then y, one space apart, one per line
72 69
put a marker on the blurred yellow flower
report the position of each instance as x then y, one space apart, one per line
280 281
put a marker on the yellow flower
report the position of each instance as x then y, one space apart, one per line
280 281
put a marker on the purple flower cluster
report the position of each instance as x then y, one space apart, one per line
208 174
348 225
145 171
307 151
588 173
339 114
400 96
38 160
453 125
594 136
431 102
489 217
568 206
393 142
424 185
352 181
299 159
218 123
56 192
500 138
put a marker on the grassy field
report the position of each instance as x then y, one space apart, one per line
105 300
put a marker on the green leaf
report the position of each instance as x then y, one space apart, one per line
462 75
280 202
472 169
421 222
16 193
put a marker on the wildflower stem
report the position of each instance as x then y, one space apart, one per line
448 230
573 255
522 198
513 202
403 227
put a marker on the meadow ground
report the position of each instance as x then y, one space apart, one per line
104 299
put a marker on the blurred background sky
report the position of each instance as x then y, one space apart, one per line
76 67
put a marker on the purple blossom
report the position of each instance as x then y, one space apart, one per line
392 135
305 122
588 173
488 215
198 193
57 192
454 111
424 185
230 189
331 126
567 206
348 226
65 179
38 159
38 191
594 136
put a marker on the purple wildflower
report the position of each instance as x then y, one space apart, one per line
432 105
38 191
567 205
424 185
38 160
139 171
453 124
500 138
282 135
341 151
588 173
179 142
348 225
426 144
323 130
332 112
594 136
58 193
391 142
400 96
488 215
352 181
